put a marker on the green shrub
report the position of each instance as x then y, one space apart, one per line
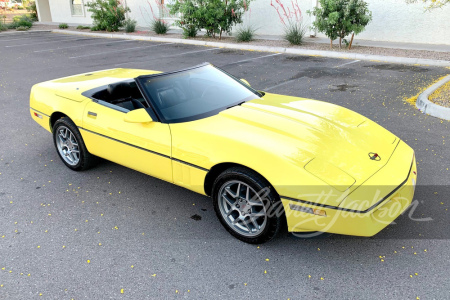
3 27
215 16
189 31
292 20
245 33
20 21
95 28
33 10
108 15
160 26
339 18
22 28
130 25
20 7
83 27
294 33
63 26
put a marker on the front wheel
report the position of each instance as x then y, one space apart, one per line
247 206
70 145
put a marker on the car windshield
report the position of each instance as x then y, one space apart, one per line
194 93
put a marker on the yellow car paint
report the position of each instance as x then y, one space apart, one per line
315 154
150 153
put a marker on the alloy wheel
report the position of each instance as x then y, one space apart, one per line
242 208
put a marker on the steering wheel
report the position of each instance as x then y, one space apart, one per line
209 89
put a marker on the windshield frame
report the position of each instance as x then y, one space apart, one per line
140 83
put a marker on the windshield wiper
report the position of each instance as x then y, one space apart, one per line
236 104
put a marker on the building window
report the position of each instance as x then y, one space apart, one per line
76 7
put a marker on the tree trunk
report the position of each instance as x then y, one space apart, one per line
340 41
331 44
220 35
351 41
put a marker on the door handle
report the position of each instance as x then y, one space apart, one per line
90 113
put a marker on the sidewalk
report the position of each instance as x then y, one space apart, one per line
368 43
323 40
400 53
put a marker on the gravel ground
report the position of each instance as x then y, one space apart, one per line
280 43
442 95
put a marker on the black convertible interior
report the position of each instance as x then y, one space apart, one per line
180 96
123 94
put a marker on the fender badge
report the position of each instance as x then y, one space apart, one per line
374 156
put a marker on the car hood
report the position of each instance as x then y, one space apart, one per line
336 144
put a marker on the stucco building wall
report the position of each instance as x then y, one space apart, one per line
393 20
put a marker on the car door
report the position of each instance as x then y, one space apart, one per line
145 147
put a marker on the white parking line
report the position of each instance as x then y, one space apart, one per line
77 46
352 62
26 38
254 58
57 41
131 62
281 84
121 50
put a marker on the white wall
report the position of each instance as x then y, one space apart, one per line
393 20
43 9
61 13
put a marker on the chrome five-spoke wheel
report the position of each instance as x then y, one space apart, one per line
242 208
67 146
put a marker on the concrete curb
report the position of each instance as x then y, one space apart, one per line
23 32
430 108
332 54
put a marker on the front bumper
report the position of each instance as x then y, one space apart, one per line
347 221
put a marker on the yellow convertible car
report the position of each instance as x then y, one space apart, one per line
264 159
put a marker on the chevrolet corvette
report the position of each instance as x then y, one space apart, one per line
266 160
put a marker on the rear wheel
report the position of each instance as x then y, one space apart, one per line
70 145
247 206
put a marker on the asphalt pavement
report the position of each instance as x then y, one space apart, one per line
113 233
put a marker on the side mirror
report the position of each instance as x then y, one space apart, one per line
245 81
138 116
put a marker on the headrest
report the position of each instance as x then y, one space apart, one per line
119 90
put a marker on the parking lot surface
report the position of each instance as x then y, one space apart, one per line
113 233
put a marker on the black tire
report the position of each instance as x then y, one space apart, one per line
274 213
85 159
